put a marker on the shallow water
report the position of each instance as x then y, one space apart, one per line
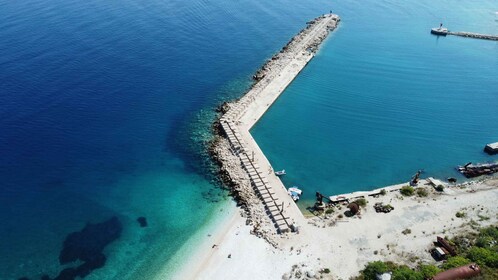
384 98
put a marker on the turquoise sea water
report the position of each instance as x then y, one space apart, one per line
384 98
104 106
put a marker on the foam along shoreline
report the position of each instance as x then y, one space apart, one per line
243 166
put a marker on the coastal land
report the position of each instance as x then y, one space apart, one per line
268 237
344 245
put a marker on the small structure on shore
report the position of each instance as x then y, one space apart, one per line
415 178
462 272
354 208
381 208
492 148
439 253
441 241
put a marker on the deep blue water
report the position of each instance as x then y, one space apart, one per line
384 98
102 108
104 104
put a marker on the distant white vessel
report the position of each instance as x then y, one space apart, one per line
280 173
295 193
443 31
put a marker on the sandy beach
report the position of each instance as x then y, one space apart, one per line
345 245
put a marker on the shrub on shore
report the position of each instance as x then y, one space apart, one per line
440 188
407 190
455 261
480 248
398 271
422 192
460 214
361 202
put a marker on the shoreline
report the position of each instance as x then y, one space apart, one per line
247 245
189 255
345 244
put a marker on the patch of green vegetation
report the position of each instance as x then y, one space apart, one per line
480 248
406 231
439 188
383 192
407 190
329 211
373 268
399 272
460 214
326 270
405 273
428 270
361 202
455 261
422 192
483 218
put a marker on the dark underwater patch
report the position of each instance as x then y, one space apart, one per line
87 246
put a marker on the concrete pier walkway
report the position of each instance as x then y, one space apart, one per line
474 35
244 113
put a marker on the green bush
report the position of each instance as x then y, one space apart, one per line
491 231
440 188
405 273
485 242
329 211
383 192
407 190
361 202
483 256
422 192
326 270
455 261
373 268
460 214
429 270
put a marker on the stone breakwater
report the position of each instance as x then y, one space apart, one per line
243 166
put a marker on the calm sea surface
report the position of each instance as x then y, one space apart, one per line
105 105
384 98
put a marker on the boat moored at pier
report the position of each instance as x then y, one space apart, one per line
280 173
295 193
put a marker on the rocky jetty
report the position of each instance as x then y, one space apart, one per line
280 69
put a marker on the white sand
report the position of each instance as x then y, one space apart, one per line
346 247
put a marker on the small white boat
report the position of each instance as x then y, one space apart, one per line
295 193
442 31
280 173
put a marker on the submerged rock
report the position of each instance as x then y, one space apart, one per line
142 221
88 244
